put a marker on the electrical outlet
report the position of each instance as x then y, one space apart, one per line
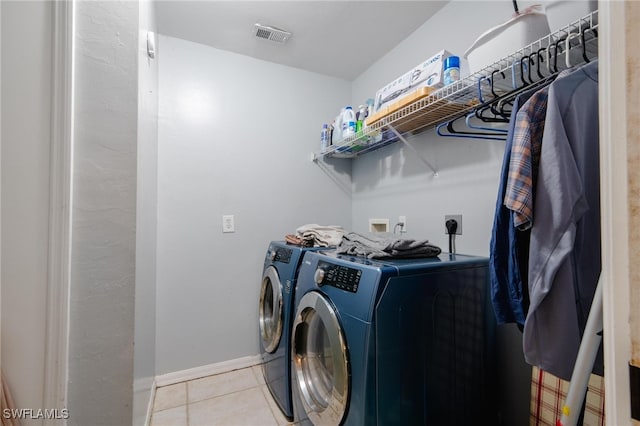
457 218
228 223
403 221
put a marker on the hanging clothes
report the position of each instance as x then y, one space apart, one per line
509 247
564 260
508 292
525 157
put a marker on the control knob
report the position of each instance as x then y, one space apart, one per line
319 276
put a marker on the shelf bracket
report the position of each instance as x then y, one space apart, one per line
413 149
321 162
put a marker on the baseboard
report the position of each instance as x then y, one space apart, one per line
206 370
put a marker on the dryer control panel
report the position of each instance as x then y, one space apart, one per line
279 254
338 276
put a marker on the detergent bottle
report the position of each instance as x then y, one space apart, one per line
336 135
324 138
348 123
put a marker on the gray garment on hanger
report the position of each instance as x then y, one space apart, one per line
564 260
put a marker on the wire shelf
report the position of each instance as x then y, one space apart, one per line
572 45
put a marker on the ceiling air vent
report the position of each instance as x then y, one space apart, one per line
271 33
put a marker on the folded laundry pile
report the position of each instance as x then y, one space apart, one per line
314 235
385 246
297 241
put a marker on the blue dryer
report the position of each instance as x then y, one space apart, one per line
280 270
393 342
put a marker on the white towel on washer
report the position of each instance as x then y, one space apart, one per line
321 235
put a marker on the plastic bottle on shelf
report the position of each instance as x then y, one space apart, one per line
324 138
362 114
370 103
451 70
336 135
348 123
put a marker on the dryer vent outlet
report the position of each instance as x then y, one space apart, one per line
271 33
379 225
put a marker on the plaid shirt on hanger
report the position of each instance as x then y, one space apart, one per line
525 156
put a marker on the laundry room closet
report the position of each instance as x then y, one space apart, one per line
146 165
239 136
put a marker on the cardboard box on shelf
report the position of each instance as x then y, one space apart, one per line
392 107
428 73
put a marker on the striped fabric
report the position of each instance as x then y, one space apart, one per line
525 156
548 394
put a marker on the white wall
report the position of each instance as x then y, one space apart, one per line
101 334
144 367
26 112
235 137
393 181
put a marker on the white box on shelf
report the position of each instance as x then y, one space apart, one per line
426 74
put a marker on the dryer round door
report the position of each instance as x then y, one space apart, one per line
271 306
320 359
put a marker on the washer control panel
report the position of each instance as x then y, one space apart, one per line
338 276
280 254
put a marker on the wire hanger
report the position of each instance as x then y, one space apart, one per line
557 45
530 67
540 59
522 71
453 133
471 125
497 112
480 96
567 58
496 118
492 80
584 43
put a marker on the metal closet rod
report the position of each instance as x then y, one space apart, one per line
558 40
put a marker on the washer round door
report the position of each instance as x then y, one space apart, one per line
271 305
320 359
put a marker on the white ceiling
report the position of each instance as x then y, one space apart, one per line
337 38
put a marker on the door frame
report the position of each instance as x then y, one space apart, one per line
615 210
0 187
60 208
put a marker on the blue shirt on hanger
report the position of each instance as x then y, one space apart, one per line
508 295
564 261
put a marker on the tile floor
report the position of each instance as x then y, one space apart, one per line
237 398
